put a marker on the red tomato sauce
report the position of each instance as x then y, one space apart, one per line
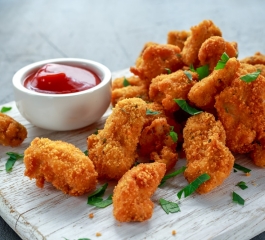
60 79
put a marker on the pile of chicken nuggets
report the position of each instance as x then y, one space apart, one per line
232 120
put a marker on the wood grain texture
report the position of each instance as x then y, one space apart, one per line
47 213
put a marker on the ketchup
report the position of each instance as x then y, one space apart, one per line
60 79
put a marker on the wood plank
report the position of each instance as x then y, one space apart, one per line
47 213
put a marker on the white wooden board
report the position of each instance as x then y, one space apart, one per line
47 213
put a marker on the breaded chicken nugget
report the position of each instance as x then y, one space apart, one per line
113 149
60 163
121 82
212 49
12 133
155 60
257 58
177 38
204 145
258 155
131 198
199 34
203 93
241 110
166 87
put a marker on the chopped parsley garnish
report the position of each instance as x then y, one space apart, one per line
242 185
221 63
169 207
151 112
193 186
86 152
168 70
126 83
96 132
5 109
238 199
173 134
13 157
186 107
241 168
202 71
171 175
188 74
95 199
251 76
178 55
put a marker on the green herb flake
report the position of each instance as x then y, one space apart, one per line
203 71
193 186
221 63
186 107
83 239
151 112
251 76
126 83
169 207
192 69
173 134
86 152
168 70
95 199
242 185
238 199
188 74
96 132
171 175
13 157
5 109
241 168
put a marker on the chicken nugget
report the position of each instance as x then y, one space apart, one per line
204 145
60 163
113 149
122 81
199 34
157 59
131 197
12 133
166 87
258 155
257 58
203 93
177 38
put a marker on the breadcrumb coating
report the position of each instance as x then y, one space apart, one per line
258 155
60 163
12 133
257 58
177 38
131 197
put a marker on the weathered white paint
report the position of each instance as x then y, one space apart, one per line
47 213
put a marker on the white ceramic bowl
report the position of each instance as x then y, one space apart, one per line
62 112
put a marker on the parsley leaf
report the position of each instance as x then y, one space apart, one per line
251 76
186 107
168 70
95 199
238 199
203 71
242 185
13 157
221 63
171 175
86 152
126 83
169 207
173 134
241 168
188 74
192 187
5 109
96 132
151 112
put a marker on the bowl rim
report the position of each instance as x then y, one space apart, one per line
17 80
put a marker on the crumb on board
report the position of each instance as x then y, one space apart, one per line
253 183
98 234
174 232
248 174
91 215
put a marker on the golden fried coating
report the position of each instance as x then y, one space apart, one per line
199 34
131 198
60 163
155 60
136 88
113 149
212 49
156 142
245 68
203 93
241 110
260 67
12 133
258 155
204 145
155 110
177 38
257 58
166 87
